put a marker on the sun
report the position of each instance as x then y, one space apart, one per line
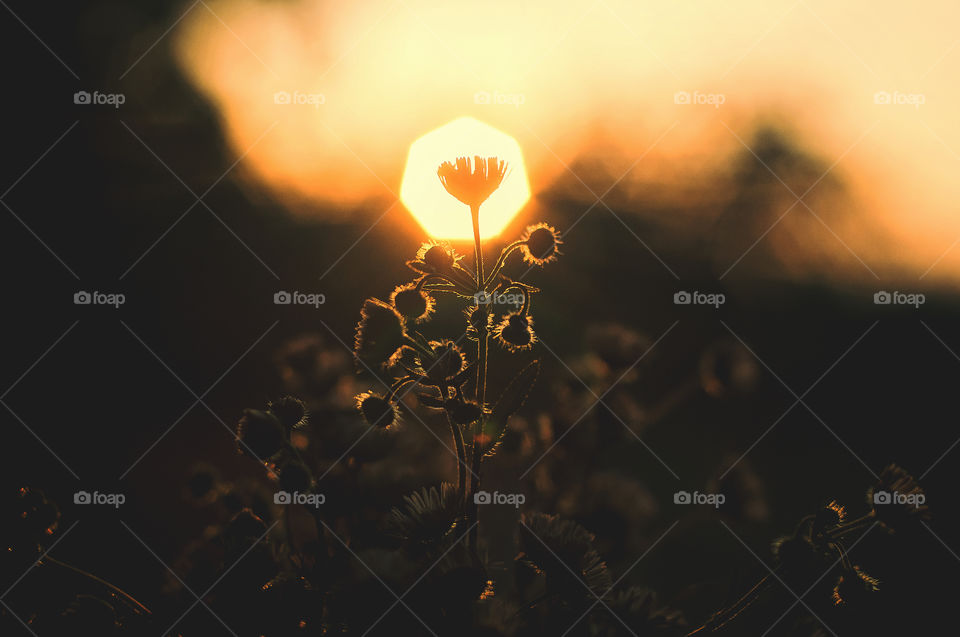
442 216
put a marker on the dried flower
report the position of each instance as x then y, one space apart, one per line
464 412
259 433
447 361
541 244
377 410
379 333
290 411
515 332
427 516
472 182
560 548
412 303
853 587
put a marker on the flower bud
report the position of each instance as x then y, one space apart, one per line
259 433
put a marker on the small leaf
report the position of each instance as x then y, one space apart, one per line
510 401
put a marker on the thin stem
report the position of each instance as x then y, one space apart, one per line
482 343
506 252
462 460
121 593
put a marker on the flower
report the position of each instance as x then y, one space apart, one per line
564 551
541 244
897 498
463 412
478 319
377 410
447 361
854 586
515 332
435 257
427 516
472 182
259 433
379 333
290 411
412 303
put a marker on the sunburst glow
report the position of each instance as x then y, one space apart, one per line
441 215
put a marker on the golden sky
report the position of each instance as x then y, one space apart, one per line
325 98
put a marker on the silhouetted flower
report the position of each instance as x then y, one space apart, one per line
853 587
472 182
427 516
515 332
434 257
563 550
259 433
412 303
377 410
290 411
464 412
830 515
379 333
447 361
897 498
541 244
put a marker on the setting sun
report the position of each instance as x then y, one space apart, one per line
441 215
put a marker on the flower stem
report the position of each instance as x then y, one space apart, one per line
461 460
482 343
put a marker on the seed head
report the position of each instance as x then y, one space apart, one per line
515 332
377 410
541 244
412 304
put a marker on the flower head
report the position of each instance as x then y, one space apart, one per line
379 333
377 410
412 303
290 411
472 182
426 517
541 244
854 586
564 551
447 361
515 332
259 433
435 257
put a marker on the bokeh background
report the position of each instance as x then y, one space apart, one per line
795 157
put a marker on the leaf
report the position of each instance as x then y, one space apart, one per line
430 401
510 401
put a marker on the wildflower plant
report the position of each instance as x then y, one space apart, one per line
443 375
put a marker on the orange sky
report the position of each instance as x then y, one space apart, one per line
367 78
